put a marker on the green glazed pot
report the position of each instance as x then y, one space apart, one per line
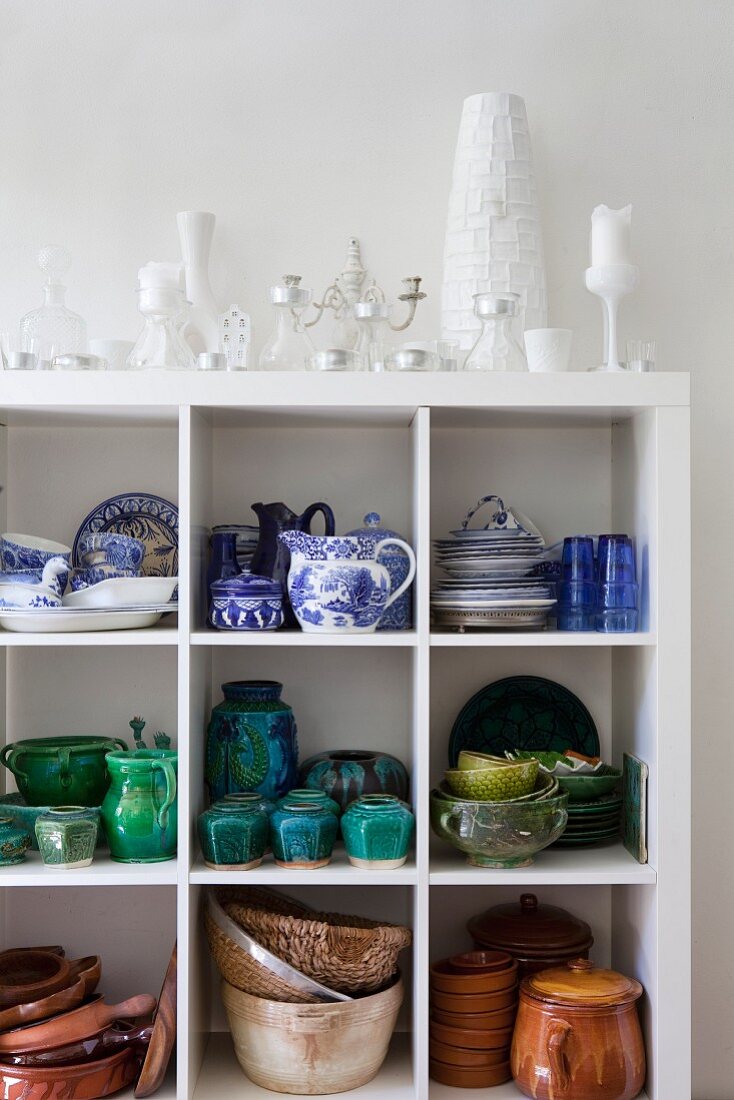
14 842
377 831
250 798
61 771
302 835
15 806
140 809
67 836
233 835
316 798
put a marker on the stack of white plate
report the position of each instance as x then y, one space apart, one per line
490 577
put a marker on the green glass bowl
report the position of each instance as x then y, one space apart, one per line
586 788
498 834
480 786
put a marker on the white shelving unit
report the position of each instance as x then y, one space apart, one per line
576 452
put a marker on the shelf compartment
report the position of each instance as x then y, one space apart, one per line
609 865
280 638
562 638
222 1077
336 873
102 872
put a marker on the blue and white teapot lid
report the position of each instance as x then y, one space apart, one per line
373 529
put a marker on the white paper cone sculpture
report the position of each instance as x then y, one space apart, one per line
493 237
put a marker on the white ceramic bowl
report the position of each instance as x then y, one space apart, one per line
124 592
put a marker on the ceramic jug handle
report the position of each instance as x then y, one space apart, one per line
326 512
121 743
411 572
7 757
167 768
64 772
558 1033
499 510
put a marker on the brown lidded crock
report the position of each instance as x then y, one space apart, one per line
469 1077
537 935
447 980
578 1035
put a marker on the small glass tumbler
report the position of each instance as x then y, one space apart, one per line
448 353
641 356
616 559
618 591
576 609
577 562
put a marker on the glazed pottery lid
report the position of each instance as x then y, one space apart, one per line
581 983
532 930
247 585
373 529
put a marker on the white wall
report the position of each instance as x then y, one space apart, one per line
302 123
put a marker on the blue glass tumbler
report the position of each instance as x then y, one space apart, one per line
576 609
618 591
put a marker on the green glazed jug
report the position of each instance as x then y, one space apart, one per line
140 809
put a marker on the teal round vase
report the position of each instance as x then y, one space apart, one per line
15 841
251 743
251 798
302 835
140 809
233 835
346 774
377 831
67 836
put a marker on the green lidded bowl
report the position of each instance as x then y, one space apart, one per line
494 784
61 771
586 788
498 834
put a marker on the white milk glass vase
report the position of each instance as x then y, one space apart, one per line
201 329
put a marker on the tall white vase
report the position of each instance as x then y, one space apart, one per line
493 236
201 329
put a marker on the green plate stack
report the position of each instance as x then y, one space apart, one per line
592 822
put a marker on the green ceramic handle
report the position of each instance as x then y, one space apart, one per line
120 743
7 757
167 768
64 772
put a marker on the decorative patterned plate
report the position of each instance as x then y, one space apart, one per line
143 516
524 712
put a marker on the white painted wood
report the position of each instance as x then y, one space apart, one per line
576 452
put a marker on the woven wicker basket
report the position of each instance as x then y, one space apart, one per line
348 954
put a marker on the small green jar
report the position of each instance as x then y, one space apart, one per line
250 798
67 836
15 841
302 835
233 835
318 798
377 831
140 809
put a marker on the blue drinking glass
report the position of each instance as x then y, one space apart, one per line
618 591
576 608
577 562
616 559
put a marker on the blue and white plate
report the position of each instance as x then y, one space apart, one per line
149 518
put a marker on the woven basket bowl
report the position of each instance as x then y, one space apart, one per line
346 953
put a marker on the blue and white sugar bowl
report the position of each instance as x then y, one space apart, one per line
246 602
399 615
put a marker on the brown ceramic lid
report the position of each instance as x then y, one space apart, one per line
531 929
582 984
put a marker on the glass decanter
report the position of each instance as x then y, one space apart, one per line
160 345
375 338
52 324
289 345
497 348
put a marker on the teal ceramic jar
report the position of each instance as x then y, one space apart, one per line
316 798
15 841
302 835
61 771
67 836
140 809
251 798
377 831
233 835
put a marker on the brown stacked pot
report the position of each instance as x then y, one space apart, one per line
473 1008
538 936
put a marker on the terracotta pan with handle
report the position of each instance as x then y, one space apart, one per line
71 1027
84 1081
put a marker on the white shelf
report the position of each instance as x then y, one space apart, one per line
221 1077
508 1091
102 872
339 872
562 638
609 864
153 635
280 638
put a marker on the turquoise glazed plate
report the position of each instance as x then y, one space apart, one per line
523 712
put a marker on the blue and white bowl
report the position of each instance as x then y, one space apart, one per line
247 602
107 547
19 553
35 576
95 574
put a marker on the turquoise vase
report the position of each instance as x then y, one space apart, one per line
315 798
251 742
15 841
302 835
251 798
233 835
67 836
377 831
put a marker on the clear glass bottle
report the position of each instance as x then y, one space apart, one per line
53 325
160 345
289 345
497 348
375 333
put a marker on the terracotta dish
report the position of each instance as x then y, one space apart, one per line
121 1034
474 1002
475 962
447 980
477 1021
71 1027
29 974
474 1040
464 1077
463 1056
537 935
29 1013
80 1082
163 1035
54 950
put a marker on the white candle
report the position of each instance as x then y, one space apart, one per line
610 236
